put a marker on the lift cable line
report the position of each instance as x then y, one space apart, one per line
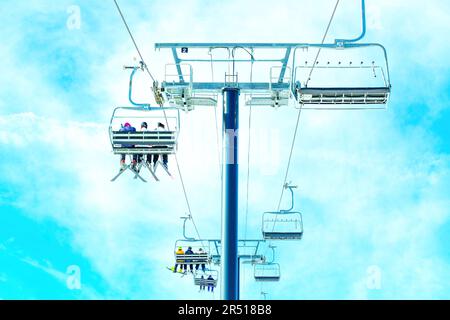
215 118
217 143
248 156
134 42
300 109
285 184
165 116
248 162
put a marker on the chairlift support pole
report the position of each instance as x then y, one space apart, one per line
230 263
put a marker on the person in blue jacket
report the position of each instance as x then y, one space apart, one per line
189 251
210 284
202 283
127 127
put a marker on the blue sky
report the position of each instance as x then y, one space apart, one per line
373 186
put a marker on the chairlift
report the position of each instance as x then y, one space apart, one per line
343 85
267 272
197 257
201 278
283 224
369 91
155 141
160 137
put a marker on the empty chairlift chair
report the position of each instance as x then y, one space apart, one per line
267 272
347 76
283 224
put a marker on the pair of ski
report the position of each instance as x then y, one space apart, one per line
136 170
179 271
185 272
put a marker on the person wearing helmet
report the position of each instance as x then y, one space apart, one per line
191 266
127 127
140 157
210 283
200 251
183 266
161 127
202 283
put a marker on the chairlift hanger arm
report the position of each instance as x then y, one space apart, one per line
130 89
184 228
363 32
290 187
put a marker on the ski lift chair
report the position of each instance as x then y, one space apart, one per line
142 142
199 281
283 224
151 142
346 85
267 272
191 259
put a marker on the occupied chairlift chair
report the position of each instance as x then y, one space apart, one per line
283 224
142 142
191 259
195 244
205 282
196 258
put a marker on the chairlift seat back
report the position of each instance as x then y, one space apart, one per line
350 96
282 225
146 142
205 282
267 272
192 258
